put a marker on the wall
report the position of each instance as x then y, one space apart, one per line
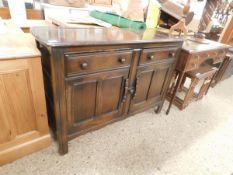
197 7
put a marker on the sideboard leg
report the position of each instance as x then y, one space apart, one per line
159 108
63 147
180 78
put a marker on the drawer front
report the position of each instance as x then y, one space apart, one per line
94 62
156 54
196 60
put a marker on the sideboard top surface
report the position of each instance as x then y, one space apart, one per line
58 37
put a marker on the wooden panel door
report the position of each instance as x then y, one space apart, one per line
23 118
95 99
150 84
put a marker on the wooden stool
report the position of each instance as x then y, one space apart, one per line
205 74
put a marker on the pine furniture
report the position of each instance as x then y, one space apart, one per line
23 115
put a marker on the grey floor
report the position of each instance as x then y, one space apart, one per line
196 141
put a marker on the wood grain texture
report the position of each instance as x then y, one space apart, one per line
106 88
227 34
23 115
17 45
54 37
93 62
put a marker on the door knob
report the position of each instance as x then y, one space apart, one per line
151 57
131 91
84 65
172 54
122 60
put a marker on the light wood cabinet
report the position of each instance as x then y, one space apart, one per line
23 116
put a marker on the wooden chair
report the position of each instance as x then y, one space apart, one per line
5 13
205 74
31 13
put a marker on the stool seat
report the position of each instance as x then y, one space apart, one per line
205 74
202 72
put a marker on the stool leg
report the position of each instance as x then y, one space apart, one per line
212 79
204 88
190 92
182 83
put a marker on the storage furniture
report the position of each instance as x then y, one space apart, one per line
194 54
204 75
23 116
97 76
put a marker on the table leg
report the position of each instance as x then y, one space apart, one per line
180 78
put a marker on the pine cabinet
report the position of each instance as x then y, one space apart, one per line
23 115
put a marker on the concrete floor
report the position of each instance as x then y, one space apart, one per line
196 141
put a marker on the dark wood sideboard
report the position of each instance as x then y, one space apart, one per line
96 76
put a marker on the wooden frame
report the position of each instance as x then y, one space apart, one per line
101 2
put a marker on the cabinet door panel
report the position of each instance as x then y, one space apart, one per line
7 131
143 85
157 82
151 84
23 118
21 100
83 100
94 99
111 93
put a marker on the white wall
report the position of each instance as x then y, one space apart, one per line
197 7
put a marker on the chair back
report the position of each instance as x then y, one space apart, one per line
31 13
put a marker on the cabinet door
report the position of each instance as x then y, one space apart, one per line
95 99
23 118
150 84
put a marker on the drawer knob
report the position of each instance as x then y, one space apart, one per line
122 60
151 57
84 65
172 54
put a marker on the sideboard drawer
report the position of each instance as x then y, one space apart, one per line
156 54
96 61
